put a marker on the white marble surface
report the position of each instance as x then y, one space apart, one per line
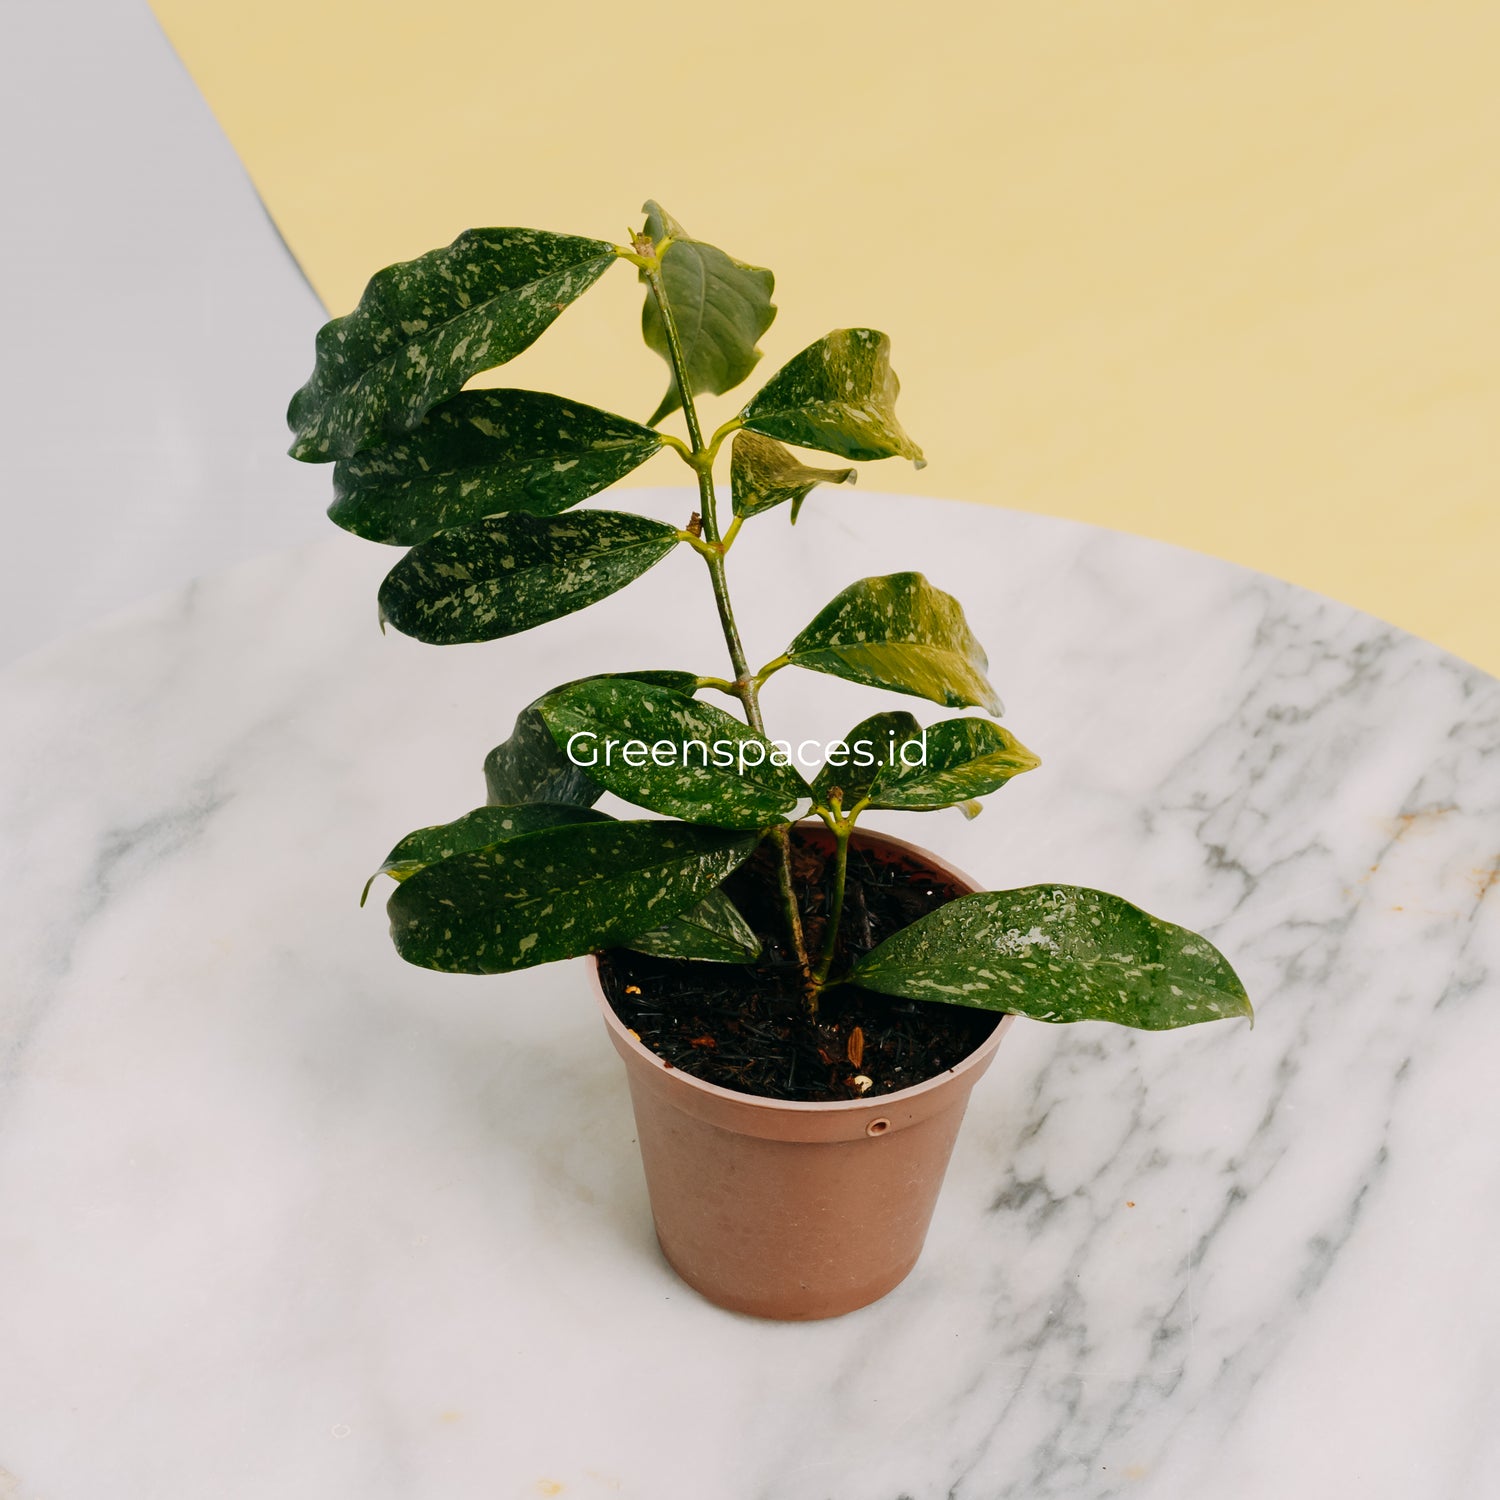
283 1216
155 327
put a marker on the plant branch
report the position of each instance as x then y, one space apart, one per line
702 548
732 425
841 831
679 373
770 669
712 551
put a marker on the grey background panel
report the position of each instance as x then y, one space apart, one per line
154 328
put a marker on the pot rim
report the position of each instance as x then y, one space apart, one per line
976 1062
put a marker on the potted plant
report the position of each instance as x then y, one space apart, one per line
802 1007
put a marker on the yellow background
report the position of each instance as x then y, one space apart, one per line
1226 274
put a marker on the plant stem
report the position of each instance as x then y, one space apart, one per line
841 831
746 686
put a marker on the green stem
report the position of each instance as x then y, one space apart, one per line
702 548
679 365
701 459
771 667
841 831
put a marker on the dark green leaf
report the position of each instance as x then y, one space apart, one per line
713 930
505 575
475 830
483 453
424 327
1058 953
557 893
838 395
530 766
762 474
676 750
721 307
899 632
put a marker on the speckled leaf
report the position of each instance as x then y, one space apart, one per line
475 830
838 395
424 327
713 930
686 780
721 306
1058 953
872 743
483 453
960 759
529 766
505 575
921 770
557 893
899 632
762 474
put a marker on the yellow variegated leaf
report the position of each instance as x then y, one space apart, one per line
899 632
763 474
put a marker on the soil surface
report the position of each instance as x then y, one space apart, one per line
746 1027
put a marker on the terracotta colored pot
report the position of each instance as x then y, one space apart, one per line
795 1210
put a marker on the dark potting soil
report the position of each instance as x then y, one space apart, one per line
746 1027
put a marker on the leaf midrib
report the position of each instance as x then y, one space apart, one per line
598 550
594 879
427 476
926 647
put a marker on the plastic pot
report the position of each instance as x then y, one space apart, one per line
795 1210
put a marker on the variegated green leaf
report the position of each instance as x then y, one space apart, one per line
947 764
762 474
721 307
838 395
899 632
475 830
557 893
425 327
890 761
481 454
530 766
868 748
507 574
1058 953
713 930
663 750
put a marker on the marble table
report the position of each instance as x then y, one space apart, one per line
285 1217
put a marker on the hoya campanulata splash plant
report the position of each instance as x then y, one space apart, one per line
482 487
